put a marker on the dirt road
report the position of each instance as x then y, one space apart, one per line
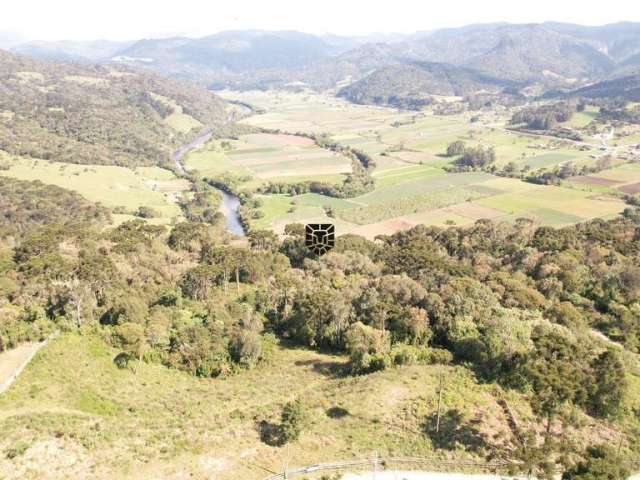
13 361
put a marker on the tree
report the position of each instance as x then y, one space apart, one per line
147 212
534 459
293 418
554 372
610 383
368 348
263 240
456 148
246 343
600 463
131 337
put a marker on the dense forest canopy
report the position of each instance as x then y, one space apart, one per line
95 115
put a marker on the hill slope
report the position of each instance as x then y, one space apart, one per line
627 88
410 85
227 53
85 52
97 115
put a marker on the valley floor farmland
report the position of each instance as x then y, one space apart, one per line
411 185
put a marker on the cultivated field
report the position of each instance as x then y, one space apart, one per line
411 185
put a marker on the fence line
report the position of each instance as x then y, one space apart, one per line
381 462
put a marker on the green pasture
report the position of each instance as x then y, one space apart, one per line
109 185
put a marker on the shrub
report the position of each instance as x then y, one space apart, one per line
292 420
368 348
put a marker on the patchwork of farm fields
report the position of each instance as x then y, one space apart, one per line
411 185
623 178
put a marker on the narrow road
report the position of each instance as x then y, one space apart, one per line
14 361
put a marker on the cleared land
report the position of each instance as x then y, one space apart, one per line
174 426
177 119
268 156
109 185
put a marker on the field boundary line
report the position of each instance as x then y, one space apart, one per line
4 386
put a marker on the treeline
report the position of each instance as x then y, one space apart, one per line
25 206
546 117
566 170
470 158
620 112
358 182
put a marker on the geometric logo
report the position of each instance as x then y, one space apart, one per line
320 237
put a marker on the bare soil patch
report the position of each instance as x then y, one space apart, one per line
589 180
388 227
632 188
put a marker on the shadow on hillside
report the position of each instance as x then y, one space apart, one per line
328 369
337 412
271 433
454 430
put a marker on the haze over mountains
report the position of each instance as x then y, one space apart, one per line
403 68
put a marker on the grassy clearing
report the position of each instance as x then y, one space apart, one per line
109 185
73 412
211 161
547 160
115 423
582 119
85 80
555 205
178 120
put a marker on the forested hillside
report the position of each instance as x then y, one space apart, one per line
625 88
226 54
28 206
97 115
411 86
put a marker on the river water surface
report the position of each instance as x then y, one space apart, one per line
230 203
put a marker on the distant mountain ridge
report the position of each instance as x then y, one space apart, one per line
70 51
549 55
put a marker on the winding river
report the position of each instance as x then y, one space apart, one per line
230 203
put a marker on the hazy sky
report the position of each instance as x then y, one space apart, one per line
131 19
